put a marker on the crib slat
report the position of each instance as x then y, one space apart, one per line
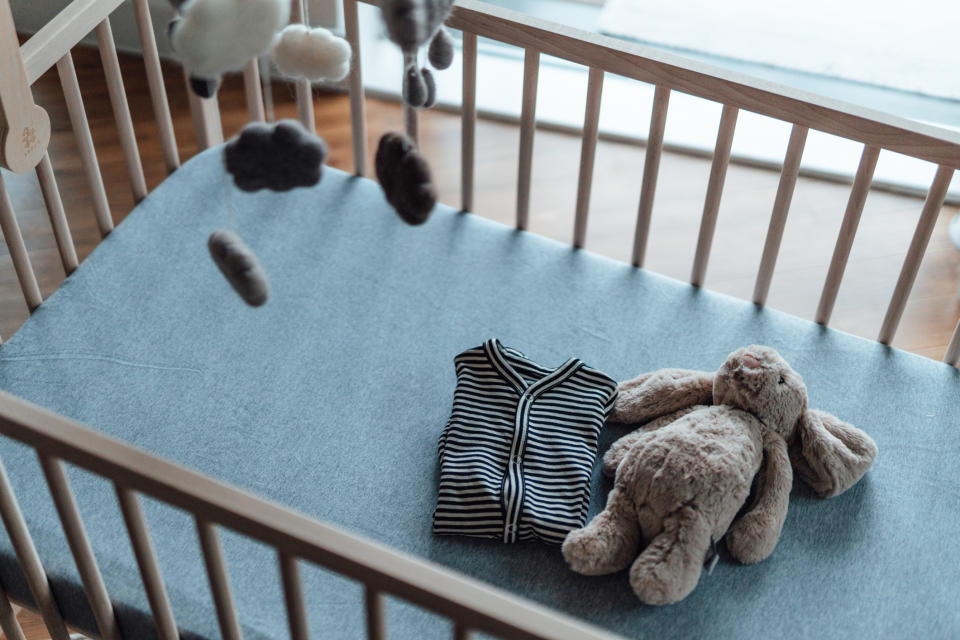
718 174
121 110
528 121
293 595
588 154
253 91
952 357
305 105
147 562
781 206
304 89
80 547
18 251
29 561
848 231
8 619
205 113
58 219
918 247
358 101
375 620
651 170
461 632
158 91
219 580
468 121
88 155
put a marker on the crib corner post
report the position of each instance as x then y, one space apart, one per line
24 126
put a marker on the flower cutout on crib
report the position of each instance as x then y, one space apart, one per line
29 138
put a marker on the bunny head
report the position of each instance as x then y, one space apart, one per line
827 453
756 379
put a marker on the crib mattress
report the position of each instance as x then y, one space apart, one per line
331 398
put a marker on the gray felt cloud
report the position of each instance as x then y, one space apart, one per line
239 266
405 178
279 157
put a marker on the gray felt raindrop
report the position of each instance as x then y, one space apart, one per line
414 87
440 52
239 266
431 86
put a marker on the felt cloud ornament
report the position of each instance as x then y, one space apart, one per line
239 266
315 54
411 24
212 37
405 178
279 157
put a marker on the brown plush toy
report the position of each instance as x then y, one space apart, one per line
682 478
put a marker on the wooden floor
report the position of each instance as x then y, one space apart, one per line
885 232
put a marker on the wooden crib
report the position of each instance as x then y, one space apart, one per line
470 604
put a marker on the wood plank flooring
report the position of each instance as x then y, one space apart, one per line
878 252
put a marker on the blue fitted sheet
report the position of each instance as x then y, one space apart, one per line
330 399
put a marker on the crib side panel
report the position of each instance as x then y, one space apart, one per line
468 603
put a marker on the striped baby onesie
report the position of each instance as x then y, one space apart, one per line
517 453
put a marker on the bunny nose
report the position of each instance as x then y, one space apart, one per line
749 361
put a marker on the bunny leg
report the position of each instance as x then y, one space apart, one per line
753 537
608 543
669 568
618 450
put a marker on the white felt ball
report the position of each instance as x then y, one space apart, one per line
216 36
315 54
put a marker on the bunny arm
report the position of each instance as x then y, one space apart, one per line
618 450
659 393
754 536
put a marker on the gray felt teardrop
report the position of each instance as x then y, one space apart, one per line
431 88
279 157
414 87
239 266
441 50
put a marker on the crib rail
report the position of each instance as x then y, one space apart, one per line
296 538
735 92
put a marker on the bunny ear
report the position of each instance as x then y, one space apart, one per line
829 454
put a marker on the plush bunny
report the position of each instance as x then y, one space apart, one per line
683 477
